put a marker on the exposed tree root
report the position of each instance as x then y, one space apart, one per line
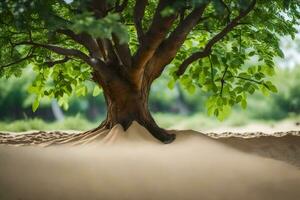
160 134
46 139
52 138
81 138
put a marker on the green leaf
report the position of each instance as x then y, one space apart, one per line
269 85
244 103
215 60
239 99
96 91
35 104
264 90
224 112
81 91
251 89
171 84
100 28
191 89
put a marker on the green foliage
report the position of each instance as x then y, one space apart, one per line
100 28
242 62
59 82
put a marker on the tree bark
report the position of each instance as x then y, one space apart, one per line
126 103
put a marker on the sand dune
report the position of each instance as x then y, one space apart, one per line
133 165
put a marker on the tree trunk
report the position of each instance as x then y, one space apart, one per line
125 104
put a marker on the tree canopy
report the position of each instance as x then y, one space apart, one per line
226 48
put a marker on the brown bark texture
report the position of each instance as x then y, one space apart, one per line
127 102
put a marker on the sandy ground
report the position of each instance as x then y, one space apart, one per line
269 128
132 165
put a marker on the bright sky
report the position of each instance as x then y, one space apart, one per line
68 1
291 49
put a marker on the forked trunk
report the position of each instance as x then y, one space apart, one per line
126 104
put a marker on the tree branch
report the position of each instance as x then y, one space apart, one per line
111 52
102 49
181 14
138 14
84 39
55 62
190 59
28 56
171 45
97 64
59 50
223 80
248 79
215 39
154 36
123 52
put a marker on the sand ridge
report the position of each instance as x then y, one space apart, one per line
134 132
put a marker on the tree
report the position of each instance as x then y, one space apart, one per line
123 46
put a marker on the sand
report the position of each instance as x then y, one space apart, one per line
132 165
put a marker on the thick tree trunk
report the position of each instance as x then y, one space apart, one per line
126 104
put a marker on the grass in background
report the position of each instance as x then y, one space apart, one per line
69 123
198 122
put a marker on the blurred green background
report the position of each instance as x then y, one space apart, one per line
171 108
